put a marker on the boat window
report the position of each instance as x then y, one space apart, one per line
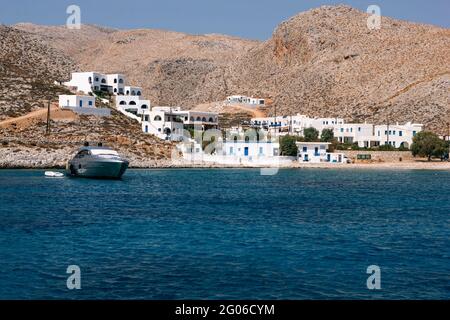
82 153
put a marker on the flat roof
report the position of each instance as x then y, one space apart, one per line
300 142
76 95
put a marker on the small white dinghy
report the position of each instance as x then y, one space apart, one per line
53 174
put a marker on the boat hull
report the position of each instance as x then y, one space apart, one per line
99 169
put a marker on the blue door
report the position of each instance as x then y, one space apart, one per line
246 151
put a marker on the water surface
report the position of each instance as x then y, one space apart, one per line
226 234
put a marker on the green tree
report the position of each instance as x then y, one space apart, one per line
327 135
288 146
427 144
311 134
386 147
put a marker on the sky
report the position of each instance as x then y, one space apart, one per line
253 19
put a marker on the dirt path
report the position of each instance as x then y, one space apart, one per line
39 115
256 113
416 83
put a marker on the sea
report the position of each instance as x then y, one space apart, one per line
300 234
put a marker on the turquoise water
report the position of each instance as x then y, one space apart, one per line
226 234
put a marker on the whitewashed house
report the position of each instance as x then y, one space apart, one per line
294 125
86 82
164 122
115 83
397 135
363 134
76 101
272 124
252 150
200 119
360 133
90 82
239 99
132 105
236 153
132 91
171 123
82 105
317 152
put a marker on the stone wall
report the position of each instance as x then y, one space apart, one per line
380 156
99 112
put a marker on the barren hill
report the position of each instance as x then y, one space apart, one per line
172 67
321 62
28 69
327 62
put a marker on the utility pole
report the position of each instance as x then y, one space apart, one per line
47 131
275 118
290 126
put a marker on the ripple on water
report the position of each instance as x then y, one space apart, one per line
226 234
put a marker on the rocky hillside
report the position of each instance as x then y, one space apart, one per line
26 144
173 68
327 62
28 69
324 62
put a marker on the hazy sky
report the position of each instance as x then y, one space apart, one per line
254 19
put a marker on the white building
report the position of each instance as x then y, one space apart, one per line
133 91
237 153
360 133
317 152
364 134
90 82
133 105
238 99
397 135
164 122
172 123
294 125
250 149
86 82
116 82
76 101
82 105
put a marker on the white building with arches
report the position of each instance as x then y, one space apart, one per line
132 104
173 123
90 82
132 91
365 135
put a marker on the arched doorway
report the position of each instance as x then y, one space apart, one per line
404 145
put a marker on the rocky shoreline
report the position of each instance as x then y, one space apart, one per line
37 158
